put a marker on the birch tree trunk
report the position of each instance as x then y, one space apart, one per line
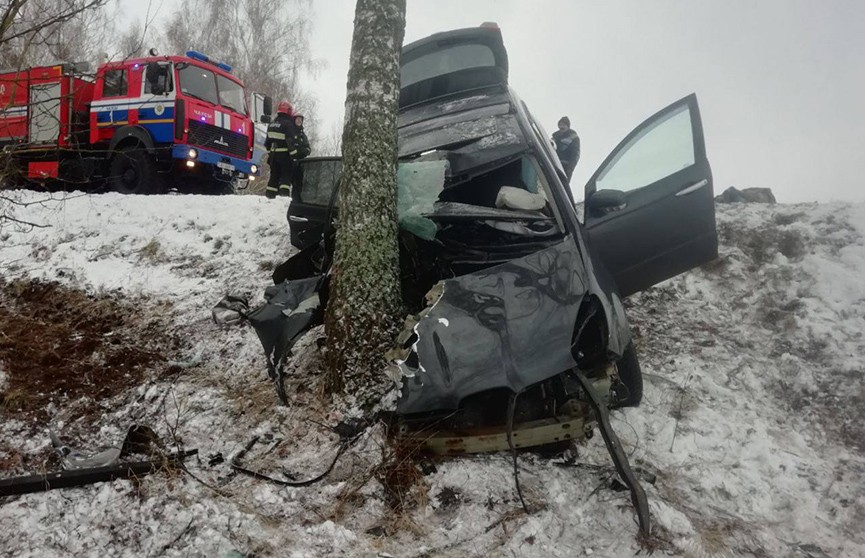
365 302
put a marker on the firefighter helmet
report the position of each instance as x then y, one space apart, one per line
284 107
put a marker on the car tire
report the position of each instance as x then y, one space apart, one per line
133 171
631 378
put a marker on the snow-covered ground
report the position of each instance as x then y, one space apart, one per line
753 418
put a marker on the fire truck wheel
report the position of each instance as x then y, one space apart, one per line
133 171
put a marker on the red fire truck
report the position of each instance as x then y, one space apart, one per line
139 126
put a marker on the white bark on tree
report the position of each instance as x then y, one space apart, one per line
365 302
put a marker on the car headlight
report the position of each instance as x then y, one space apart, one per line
192 153
253 169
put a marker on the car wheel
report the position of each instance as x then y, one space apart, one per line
630 391
133 171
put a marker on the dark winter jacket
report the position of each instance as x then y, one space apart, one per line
282 136
302 142
567 146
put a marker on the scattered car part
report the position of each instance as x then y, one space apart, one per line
614 446
230 310
74 459
81 477
240 468
139 439
291 308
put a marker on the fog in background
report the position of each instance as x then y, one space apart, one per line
781 83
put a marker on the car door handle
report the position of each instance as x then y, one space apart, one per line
693 187
297 219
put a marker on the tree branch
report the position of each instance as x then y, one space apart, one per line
73 10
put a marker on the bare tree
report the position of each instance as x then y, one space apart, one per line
329 143
131 41
365 301
46 31
266 41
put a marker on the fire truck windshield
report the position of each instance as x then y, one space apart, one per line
231 95
197 82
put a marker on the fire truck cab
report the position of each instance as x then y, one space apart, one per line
139 125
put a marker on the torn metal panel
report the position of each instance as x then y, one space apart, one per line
614 447
292 308
508 326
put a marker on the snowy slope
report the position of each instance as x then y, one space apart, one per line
752 418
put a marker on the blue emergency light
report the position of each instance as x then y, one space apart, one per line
195 55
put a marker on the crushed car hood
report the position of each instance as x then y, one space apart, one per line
507 326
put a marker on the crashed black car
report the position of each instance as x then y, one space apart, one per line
518 332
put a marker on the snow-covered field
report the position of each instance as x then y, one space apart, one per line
753 418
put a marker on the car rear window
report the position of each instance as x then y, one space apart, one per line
445 61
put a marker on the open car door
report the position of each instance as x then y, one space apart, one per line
650 210
313 184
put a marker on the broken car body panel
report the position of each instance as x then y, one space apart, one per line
508 326
292 308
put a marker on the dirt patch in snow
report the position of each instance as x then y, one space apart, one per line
61 348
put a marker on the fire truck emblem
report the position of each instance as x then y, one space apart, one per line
221 141
2 89
159 109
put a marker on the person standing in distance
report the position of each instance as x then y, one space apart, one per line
567 146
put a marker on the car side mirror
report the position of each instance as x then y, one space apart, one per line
267 108
605 201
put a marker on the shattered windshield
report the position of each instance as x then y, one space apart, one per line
419 185
511 198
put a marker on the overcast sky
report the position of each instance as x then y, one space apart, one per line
781 83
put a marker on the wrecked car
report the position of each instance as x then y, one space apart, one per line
518 334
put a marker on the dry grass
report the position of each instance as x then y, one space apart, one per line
152 251
64 350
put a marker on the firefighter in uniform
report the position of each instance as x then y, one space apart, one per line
284 143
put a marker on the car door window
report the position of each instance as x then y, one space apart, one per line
657 152
317 181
